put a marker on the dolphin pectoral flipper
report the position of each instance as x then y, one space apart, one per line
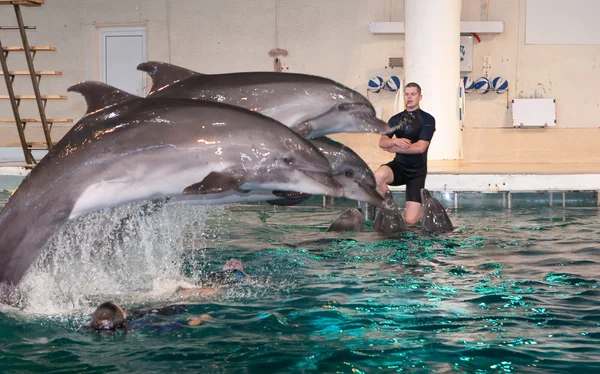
99 95
164 74
215 182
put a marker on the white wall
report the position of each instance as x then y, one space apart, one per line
329 38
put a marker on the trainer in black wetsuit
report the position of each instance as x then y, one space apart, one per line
410 143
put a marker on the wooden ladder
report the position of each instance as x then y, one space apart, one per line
36 76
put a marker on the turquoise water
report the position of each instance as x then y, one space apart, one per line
510 291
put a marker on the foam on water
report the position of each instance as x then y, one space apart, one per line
122 254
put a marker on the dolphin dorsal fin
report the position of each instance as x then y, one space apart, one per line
164 74
100 95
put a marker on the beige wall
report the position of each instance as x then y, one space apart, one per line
329 38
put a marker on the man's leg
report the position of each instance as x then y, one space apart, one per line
412 212
383 176
414 209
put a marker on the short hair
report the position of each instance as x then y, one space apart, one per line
413 84
108 316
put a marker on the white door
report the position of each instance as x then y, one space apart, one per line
122 49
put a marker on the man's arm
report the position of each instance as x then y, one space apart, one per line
415 148
389 144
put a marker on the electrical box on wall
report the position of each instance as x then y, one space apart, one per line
534 112
466 53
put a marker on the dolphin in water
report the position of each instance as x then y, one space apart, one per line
129 149
310 105
349 220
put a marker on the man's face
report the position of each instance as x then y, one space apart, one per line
412 97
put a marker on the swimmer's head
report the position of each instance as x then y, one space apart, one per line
234 264
108 316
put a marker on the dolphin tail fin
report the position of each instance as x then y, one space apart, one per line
164 74
99 95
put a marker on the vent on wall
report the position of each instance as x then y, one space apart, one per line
396 62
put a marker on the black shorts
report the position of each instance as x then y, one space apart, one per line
413 179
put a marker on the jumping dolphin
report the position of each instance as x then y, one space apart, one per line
140 149
310 105
349 220
350 170
434 218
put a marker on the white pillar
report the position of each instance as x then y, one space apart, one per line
432 59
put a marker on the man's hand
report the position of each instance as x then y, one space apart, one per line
403 143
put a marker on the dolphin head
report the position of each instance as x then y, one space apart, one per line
298 165
350 112
350 171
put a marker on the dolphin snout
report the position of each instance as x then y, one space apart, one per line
326 180
374 124
360 190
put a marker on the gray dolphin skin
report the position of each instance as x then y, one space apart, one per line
349 170
310 105
145 148
349 220
388 219
434 218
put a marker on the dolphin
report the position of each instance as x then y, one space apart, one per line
434 218
349 220
350 170
310 105
127 149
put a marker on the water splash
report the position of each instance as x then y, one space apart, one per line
127 254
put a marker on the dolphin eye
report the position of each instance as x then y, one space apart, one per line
349 173
288 160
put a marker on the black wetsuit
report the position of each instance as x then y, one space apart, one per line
411 169
154 319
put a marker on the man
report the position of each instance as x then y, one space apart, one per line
110 316
409 142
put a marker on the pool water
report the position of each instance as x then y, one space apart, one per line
509 291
